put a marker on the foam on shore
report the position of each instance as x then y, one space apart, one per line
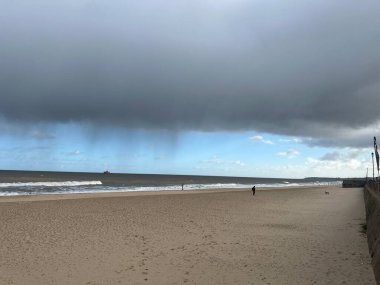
87 187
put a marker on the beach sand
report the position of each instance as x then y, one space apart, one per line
286 236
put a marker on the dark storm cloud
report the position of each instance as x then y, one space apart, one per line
297 68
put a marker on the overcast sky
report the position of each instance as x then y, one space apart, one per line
171 72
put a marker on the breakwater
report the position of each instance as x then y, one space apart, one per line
372 203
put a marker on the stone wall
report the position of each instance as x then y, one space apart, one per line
372 203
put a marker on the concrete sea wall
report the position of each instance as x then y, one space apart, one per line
372 203
354 183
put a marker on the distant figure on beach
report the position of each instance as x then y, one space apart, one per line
182 186
253 190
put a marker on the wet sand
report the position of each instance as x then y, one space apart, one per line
292 236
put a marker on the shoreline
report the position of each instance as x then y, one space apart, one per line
94 195
289 236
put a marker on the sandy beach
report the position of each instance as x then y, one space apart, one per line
286 236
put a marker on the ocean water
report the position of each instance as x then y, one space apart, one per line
14 183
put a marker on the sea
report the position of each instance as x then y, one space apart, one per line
15 183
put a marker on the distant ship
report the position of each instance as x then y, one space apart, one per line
106 172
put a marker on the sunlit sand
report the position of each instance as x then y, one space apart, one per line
286 236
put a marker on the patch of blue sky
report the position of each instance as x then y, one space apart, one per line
71 147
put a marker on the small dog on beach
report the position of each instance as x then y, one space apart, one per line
327 193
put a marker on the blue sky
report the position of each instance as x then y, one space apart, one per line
69 147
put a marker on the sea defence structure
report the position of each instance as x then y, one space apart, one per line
354 183
372 204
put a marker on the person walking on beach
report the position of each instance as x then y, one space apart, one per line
253 190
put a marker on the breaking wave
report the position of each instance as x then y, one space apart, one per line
78 187
50 184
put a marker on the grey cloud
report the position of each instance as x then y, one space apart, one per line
284 67
335 155
347 154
